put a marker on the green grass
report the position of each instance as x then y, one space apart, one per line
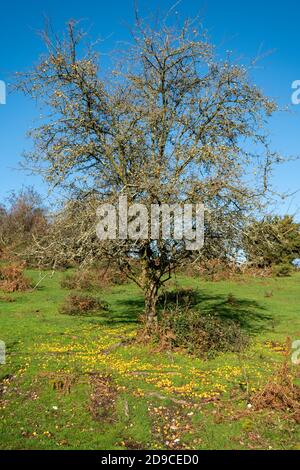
151 399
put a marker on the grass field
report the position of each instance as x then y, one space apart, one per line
69 384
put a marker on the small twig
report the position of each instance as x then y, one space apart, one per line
126 409
41 280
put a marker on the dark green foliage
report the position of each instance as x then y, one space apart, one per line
283 270
200 334
272 241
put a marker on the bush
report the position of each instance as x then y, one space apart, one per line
12 278
78 304
217 270
198 333
179 297
79 280
256 272
93 279
283 270
280 393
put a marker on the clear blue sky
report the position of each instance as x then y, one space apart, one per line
246 27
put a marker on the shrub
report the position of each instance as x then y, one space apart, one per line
253 271
198 334
93 279
12 278
179 297
280 393
78 304
79 280
218 270
283 270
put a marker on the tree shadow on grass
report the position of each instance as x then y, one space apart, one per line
248 313
124 312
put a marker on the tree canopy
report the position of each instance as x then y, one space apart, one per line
272 241
171 122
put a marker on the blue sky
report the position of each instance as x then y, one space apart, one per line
248 28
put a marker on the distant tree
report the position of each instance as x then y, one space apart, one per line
272 241
171 123
21 220
2 225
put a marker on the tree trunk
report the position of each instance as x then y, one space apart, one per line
151 297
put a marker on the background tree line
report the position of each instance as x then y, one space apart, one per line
28 230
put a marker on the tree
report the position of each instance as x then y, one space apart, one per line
272 241
22 219
170 123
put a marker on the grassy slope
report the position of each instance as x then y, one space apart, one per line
156 400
